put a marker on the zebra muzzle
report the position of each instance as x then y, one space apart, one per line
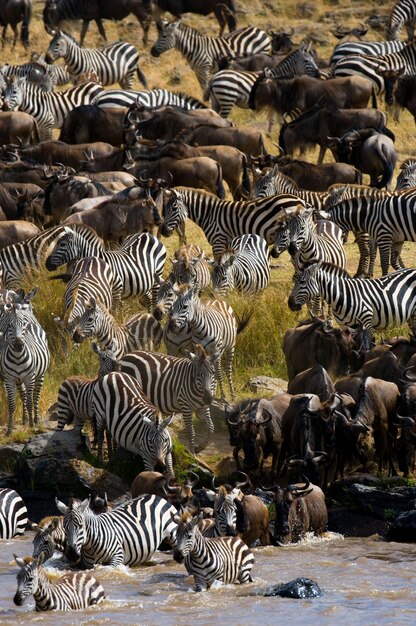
293 305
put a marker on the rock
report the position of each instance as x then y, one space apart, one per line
403 528
298 588
61 444
9 455
355 524
268 384
377 501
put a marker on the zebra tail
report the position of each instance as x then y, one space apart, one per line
245 181
373 98
24 31
207 92
141 77
64 277
220 186
243 321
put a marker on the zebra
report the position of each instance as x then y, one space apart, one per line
230 87
246 268
36 72
92 277
203 53
388 221
176 342
407 177
371 302
137 264
72 591
365 48
223 220
190 266
152 99
212 324
174 384
227 559
48 108
129 534
140 332
24 359
120 406
225 514
402 14
13 514
115 63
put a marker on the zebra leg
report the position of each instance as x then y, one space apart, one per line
29 400
36 396
190 431
169 465
396 259
363 270
385 248
229 358
218 376
10 390
204 414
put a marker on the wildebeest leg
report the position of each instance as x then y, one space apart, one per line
3 36
322 150
84 29
15 34
100 27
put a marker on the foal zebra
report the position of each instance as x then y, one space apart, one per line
48 108
129 534
190 266
203 53
13 514
227 559
115 63
402 14
72 591
246 268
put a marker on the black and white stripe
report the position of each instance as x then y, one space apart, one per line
222 220
402 14
36 72
129 534
407 176
13 514
190 267
202 52
246 268
49 536
227 559
366 48
72 591
115 63
152 99
48 108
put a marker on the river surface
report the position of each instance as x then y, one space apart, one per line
364 581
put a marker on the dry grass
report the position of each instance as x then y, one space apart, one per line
259 347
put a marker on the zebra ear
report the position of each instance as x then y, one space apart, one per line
166 422
158 279
62 508
40 559
95 348
19 560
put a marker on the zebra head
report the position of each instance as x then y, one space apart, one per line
43 541
27 578
107 360
174 213
65 250
265 185
306 287
303 61
185 269
156 448
14 323
167 37
58 47
14 93
204 372
185 534
298 228
182 309
87 324
225 512
337 195
166 296
223 275
407 177
74 526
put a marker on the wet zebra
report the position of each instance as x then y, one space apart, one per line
152 99
222 220
48 108
129 534
173 384
245 268
137 264
24 359
13 514
372 302
402 14
140 332
230 87
227 559
203 53
115 63
120 406
72 591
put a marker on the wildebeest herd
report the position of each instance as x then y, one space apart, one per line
130 168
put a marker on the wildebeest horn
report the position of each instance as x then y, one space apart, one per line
237 485
405 420
319 456
289 34
298 488
230 421
279 148
169 489
189 482
216 489
286 117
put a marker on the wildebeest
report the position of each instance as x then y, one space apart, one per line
13 231
86 10
160 485
370 151
316 125
224 10
315 380
246 139
52 152
18 128
12 12
400 92
89 123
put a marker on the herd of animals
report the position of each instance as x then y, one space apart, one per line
131 167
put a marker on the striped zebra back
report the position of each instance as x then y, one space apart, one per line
13 514
152 99
365 48
402 14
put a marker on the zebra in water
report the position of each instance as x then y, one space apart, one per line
24 359
153 99
371 302
72 591
115 63
190 266
230 87
120 406
227 559
402 14
13 514
140 332
223 220
246 268
173 384
137 264
129 534
203 53
364 48
47 107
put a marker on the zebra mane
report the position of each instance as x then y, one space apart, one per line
185 517
334 269
64 32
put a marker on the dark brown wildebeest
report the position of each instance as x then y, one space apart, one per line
349 34
315 126
386 366
224 10
52 152
282 41
57 10
18 128
160 485
400 92
12 12
315 380
90 123
246 139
